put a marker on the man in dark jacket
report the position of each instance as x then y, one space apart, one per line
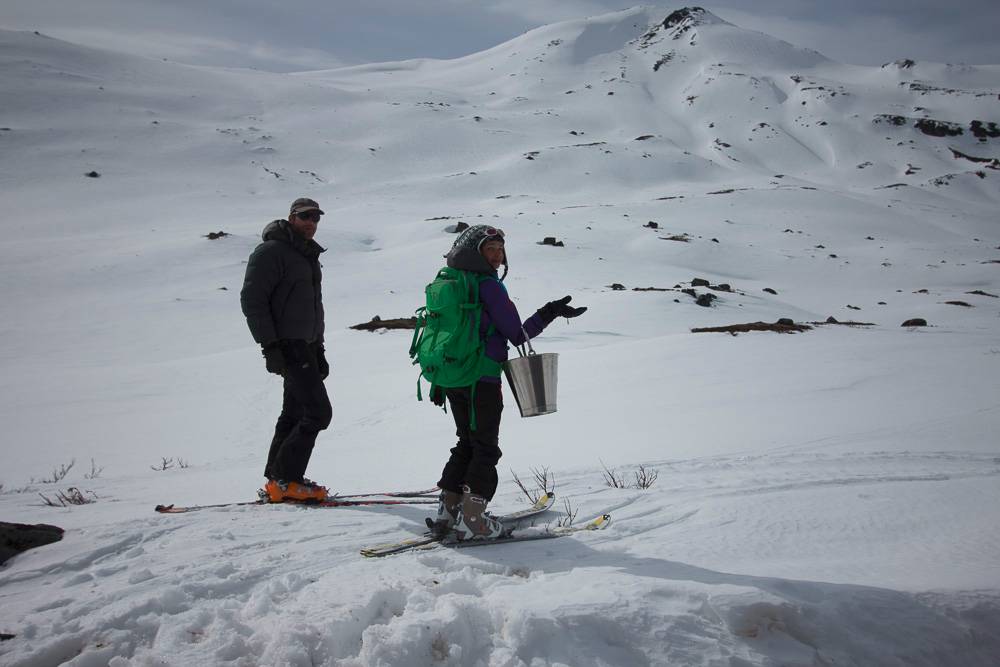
283 304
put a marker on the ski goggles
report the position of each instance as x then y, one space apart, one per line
493 232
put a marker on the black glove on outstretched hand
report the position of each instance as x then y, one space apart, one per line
560 308
274 360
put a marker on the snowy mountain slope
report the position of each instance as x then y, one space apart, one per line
824 497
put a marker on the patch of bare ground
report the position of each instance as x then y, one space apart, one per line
849 323
781 326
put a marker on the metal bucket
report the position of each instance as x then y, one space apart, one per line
532 378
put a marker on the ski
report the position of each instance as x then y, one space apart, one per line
331 501
428 541
599 523
425 493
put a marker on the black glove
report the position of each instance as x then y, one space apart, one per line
437 396
274 359
322 365
560 308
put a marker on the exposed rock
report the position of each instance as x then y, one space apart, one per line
992 163
211 236
721 287
832 320
18 537
644 137
700 282
652 225
938 128
980 292
683 238
787 321
551 240
770 291
616 287
958 303
377 323
92 174
984 130
705 300
915 322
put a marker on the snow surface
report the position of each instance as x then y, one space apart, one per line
824 498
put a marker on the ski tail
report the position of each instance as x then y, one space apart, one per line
433 491
598 523
390 498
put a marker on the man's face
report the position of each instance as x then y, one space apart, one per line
493 252
305 223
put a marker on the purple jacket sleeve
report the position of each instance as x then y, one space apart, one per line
501 312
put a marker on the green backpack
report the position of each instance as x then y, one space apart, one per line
446 342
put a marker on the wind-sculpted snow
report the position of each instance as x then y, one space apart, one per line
823 498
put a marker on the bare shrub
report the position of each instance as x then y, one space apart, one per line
71 496
164 464
613 478
544 482
95 472
644 477
58 473
570 514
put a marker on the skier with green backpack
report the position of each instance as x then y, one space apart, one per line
460 342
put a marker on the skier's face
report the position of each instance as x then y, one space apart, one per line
493 252
305 223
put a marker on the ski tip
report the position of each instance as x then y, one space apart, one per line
546 500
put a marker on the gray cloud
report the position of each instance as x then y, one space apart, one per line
316 34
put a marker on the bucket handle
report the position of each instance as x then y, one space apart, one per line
527 341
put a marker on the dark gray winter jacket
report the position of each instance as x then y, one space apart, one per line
281 294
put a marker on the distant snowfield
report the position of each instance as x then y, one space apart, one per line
826 497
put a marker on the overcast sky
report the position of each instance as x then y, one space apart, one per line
290 35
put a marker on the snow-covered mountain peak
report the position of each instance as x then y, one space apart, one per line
683 20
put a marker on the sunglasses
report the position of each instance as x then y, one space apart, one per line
312 216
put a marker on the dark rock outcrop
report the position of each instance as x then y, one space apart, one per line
18 537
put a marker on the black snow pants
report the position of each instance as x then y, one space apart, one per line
305 411
474 458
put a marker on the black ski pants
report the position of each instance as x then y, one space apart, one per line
305 411
474 458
